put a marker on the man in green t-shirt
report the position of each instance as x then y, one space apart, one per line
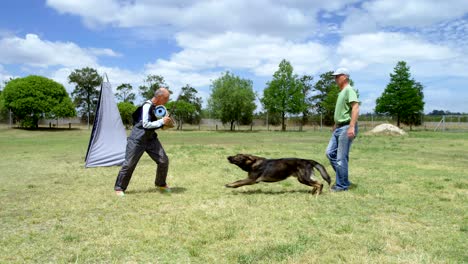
345 129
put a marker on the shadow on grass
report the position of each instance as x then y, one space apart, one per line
351 187
256 131
236 131
174 190
56 129
260 191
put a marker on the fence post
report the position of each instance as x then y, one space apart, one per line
443 118
321 123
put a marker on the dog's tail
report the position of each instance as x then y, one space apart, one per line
322 171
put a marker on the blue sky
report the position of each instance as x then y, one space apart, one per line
193 42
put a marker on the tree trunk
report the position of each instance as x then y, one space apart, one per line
179 124
232 124
283 126
88 108
398 120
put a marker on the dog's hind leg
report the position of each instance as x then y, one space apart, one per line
305 177
240 183
314 184
323 172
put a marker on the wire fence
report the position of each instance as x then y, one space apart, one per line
458 123
429 123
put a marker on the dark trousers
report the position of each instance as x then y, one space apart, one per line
140 141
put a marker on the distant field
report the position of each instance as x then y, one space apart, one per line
409 202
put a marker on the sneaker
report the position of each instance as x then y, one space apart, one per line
334 189
120 193
164 189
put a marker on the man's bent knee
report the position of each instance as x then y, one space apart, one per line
164 161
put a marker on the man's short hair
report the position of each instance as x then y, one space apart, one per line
160 92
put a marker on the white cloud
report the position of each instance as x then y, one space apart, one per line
104 52
415 13
358 21
116 76
363 50
4 76
176 78
453 34
257 54
203 59
94 13
445 96
277 18
34 51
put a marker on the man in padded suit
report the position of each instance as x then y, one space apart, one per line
143 138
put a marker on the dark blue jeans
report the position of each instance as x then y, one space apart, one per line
338 154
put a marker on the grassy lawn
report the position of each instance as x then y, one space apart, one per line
409 203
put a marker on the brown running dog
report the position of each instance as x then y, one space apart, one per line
272 170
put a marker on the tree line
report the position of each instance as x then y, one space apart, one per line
232 98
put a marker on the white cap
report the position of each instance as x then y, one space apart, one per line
341 71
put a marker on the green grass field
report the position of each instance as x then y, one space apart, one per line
409 202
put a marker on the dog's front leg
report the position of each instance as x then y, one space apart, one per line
240 183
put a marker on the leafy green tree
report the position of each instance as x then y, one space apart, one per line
125 93
189 94
415 115
284 93
187 108
126 110
153 82
3 109
402 98
181 112
272 118
85 95
34 97
232 99
325 100
306 86
205 113
437 112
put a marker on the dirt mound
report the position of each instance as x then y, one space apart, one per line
386 129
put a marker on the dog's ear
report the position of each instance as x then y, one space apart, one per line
251 159
255 158
256 161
